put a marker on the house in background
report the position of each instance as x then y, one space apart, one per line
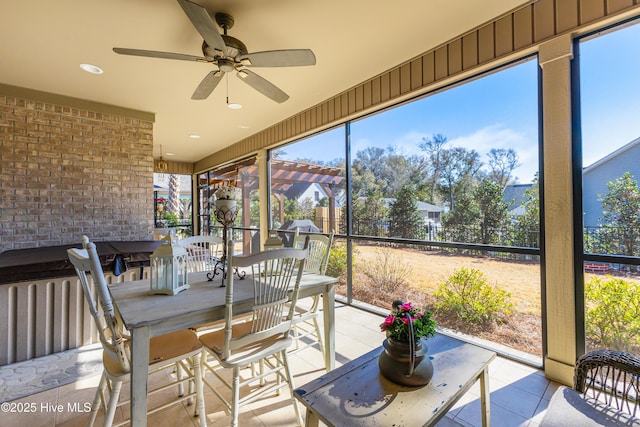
609 168
304 190
515 196
431 214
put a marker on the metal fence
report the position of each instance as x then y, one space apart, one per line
612 240
507 236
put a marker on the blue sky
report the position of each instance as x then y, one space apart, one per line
610 92
500 110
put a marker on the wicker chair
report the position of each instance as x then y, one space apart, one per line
606 392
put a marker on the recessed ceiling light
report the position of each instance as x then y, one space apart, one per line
234 106
169 154
90 68
194 136
244 127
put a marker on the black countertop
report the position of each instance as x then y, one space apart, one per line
19 265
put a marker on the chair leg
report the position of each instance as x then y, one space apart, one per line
263 381
199 410
113 402
235 396
316 324
285 362
178 370
296 336
97 400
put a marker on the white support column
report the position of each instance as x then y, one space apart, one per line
264 191
555 60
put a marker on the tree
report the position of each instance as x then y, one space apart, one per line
458 225
621 209
480 216
400 169
369 215
404 219
367 172
433 148
502 163
459 167
527 231
299 209
493 211
174 195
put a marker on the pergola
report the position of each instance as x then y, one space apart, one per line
284 173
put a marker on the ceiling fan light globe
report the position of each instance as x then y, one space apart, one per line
226 65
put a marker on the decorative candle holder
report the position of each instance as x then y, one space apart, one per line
225 213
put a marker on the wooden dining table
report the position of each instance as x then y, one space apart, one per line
147 316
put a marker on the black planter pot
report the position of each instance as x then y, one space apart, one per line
395 363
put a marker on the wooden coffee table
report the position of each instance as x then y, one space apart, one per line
357 394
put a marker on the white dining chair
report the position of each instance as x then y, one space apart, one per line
179 349
202 252
306 327
264 337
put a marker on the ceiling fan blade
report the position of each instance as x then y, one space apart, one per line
262 85
156 54
207 85
281 58
201 19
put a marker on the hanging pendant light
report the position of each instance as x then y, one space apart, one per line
161 166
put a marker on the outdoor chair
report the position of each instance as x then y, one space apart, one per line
202 252
179 350
606 393
305 321
264 337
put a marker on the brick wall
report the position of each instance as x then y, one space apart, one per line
65 172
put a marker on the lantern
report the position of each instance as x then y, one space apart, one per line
169 268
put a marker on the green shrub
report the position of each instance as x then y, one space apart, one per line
468 295
171 218
337 266
612 314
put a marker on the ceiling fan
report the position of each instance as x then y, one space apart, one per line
229 54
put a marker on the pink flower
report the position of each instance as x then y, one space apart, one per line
405 320
406 306
388 322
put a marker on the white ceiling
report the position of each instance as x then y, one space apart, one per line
44 41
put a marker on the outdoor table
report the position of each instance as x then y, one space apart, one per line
357 394
147 316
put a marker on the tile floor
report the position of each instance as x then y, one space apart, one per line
519 393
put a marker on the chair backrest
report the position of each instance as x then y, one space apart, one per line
202 252
87 261
272 273
319 249
610 376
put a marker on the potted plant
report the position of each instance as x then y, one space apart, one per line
403 360
226 196
160 201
